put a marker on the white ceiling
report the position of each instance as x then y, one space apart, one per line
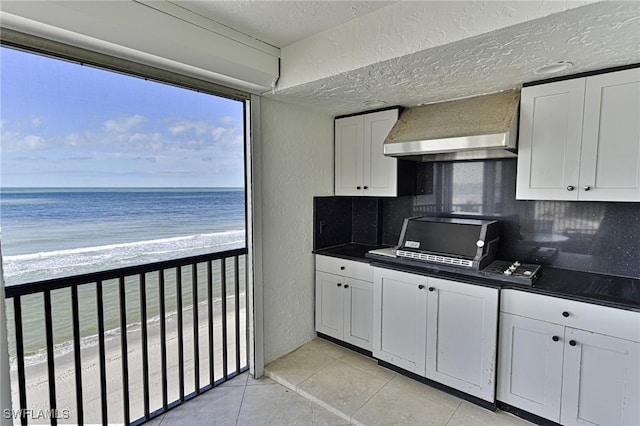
281 23
484 59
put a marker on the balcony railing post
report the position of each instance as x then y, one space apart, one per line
50 355
180 333
102 354
237 309
163 339
145 346
124 350
212 379
75 303
196 322
223 273
22 381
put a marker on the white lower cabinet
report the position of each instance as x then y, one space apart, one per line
530 373
400 319
344 304
440 329
569 362
461 336
600 380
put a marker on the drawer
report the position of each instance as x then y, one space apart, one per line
585 316
347 268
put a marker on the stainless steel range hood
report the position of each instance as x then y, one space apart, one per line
476 128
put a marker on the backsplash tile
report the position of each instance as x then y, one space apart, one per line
601 237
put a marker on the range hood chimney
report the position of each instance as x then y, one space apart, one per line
477 128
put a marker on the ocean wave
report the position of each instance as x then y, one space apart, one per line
45 265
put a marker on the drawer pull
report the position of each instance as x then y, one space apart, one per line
342 268
555 338
421 287
432 289
339 284
573 342
346 286
565 314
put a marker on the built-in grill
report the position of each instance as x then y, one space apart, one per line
467 243
467 246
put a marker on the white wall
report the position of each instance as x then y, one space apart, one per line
297 164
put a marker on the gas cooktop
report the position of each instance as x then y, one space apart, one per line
513 272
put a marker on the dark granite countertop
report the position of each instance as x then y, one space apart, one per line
606 290
350 251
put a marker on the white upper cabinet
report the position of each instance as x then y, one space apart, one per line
611 138
580 139
360 166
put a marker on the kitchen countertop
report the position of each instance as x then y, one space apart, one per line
606 290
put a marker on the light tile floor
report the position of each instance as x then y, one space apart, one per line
245 401
355 388
325 384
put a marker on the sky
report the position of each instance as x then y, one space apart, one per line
67 125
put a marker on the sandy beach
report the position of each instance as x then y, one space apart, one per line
37 377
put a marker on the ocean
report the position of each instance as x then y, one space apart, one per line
56 232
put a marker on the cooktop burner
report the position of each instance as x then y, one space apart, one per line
513 272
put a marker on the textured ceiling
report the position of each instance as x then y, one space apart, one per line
281 23
596 36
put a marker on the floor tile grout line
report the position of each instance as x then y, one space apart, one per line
372 396
454 412
244 391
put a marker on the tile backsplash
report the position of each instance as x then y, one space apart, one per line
601 237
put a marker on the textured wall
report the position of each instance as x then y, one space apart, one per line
297 164
459 64
401 29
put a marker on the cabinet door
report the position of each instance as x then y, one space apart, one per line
358 306
550 140
400 319
530 365
611 138
601 379
329 304
349 145
380 172
462 328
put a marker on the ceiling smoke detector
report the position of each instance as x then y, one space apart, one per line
554 68
375 103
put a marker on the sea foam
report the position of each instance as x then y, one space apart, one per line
24 268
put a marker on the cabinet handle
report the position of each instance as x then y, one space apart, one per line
366 187
555 338
357 187
421 287
565 314
339 285
342 268
570 188
346 286
432 288
587 188
573 342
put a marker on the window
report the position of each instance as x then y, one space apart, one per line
102 170
99 171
